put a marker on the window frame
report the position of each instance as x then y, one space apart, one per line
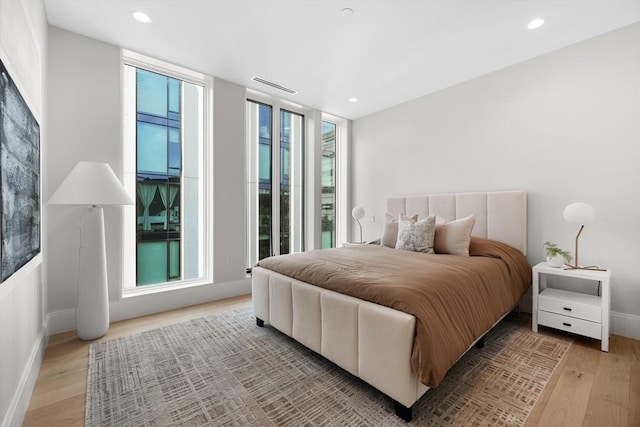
341 177
206 246
277 107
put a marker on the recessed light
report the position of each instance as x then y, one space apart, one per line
347 11
536 23
141 17
353 99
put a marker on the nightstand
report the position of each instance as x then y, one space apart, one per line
574 312
350 244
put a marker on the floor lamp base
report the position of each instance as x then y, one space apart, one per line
92 309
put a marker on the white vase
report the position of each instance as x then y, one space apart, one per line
555 261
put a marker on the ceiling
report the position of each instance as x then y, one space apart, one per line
384 53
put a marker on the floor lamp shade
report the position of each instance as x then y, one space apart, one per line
91 184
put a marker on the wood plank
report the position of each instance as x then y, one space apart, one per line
66 412
602 413
568 401
613 374
634 384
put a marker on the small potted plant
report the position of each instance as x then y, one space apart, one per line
556 257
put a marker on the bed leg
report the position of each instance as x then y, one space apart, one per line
259 322
480 343
402 411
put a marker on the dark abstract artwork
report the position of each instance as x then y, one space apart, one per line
19 178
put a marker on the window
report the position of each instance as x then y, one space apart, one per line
328 198
274 180
166 167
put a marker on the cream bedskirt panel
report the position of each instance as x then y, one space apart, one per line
368 340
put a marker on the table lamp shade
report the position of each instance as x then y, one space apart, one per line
358 212
579 213
91 183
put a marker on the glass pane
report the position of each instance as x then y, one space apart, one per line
151 93
291 146
152 262
174 260
259 213
175 154
193 183
264 168
174 95
328 185
152 148
164 217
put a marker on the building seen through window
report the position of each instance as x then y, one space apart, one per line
328 185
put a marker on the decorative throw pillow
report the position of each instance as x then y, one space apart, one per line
390 232
454 237
416 236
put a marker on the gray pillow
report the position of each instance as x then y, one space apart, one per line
390 232
416 236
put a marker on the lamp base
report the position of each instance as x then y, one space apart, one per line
92 309
588 267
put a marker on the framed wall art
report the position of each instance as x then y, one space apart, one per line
19 179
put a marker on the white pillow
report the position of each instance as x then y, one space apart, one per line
390 232
454 237
416 236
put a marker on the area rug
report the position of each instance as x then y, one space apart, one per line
223 370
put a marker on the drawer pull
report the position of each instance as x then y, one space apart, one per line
566 308
566 324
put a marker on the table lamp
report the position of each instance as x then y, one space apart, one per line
358 213
92 184
580 213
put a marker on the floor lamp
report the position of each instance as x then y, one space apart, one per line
91 184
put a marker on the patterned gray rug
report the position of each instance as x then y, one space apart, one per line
223 370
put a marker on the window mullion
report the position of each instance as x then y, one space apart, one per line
275 180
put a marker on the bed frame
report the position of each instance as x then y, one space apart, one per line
368 340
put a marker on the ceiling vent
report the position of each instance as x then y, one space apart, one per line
274 85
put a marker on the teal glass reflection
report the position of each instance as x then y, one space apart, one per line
151 93
152 263
152 148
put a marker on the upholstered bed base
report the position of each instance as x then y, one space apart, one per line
368 340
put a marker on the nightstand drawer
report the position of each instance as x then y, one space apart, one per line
564 303
570 324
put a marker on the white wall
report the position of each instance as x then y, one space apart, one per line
229 201
23 49
85 124
564 127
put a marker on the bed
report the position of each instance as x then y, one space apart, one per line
359 320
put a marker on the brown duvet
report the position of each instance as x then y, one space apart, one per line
455 299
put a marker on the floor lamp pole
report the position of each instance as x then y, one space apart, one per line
92 308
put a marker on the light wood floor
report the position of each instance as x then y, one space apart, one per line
589 387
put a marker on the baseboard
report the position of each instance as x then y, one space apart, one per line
142 305
62 321
22 396
626 325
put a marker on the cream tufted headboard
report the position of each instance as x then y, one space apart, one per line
500 215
